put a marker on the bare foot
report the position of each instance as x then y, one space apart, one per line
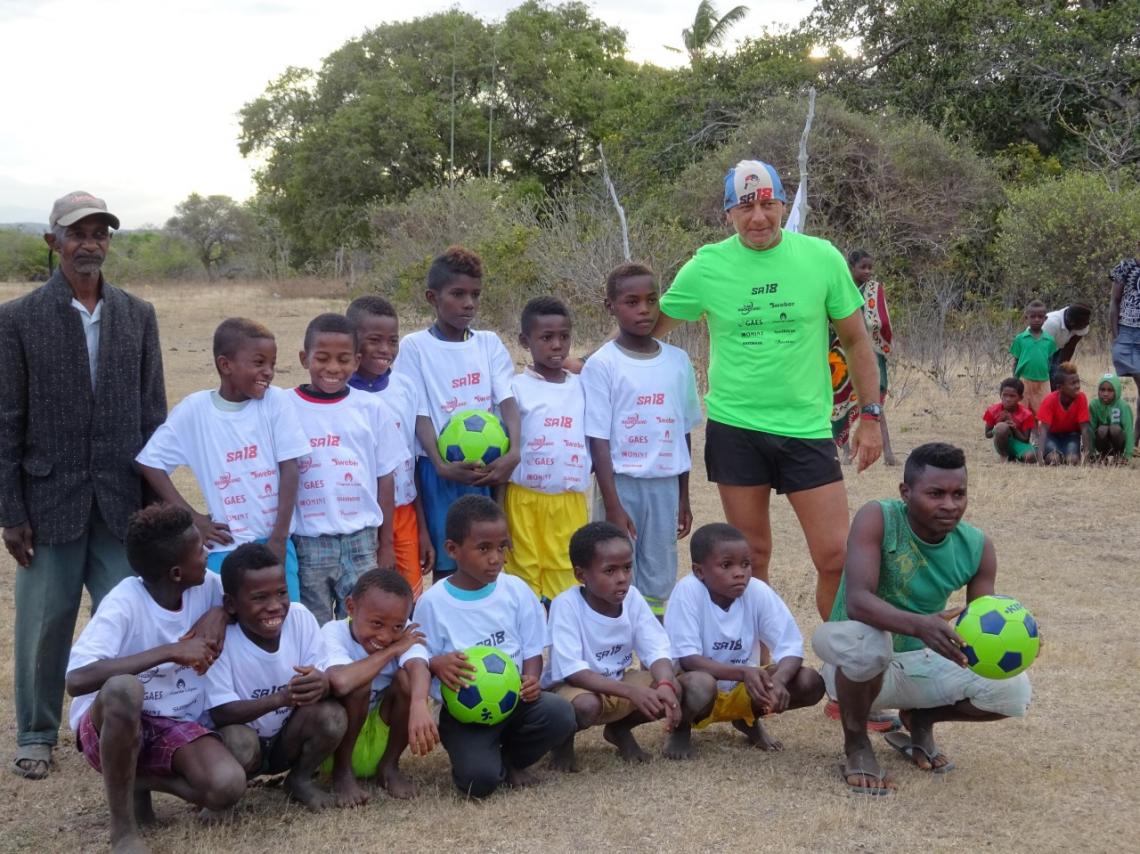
520 778
622 738
679 744
758 736
130 844
563 758
395 783
304 792
144 809
347 792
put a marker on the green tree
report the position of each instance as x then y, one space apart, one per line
709 30
23 256
216 226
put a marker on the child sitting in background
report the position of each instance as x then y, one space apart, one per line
1010 424
1064 437
1110 420
1032 352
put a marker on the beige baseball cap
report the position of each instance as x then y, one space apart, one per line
73 207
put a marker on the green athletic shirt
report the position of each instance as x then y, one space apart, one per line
1033 355
917 576
767 314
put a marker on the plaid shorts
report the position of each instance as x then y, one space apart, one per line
328 567
159 739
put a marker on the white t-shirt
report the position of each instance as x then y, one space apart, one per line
128 622
698 626
1055 325
245 671
455 375
341 648
555 456
644 407
403 402
234 456
510 619
352 442
582 639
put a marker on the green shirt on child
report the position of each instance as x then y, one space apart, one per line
1033 353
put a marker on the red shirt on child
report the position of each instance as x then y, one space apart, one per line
1023 418
1061 420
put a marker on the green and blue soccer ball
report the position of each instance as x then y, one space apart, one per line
493 692
1001 637
473 436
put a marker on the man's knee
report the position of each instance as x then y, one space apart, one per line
861 651
698 694
328 722
560 716
807 687
242 743
1002 431
587 709
476 783
121 699
225 786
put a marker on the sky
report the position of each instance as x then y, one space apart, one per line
137 100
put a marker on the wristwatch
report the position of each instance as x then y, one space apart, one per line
872 412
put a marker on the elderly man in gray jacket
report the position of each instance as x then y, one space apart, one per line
81 373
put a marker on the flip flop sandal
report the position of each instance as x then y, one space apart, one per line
901 742
39 755
879 791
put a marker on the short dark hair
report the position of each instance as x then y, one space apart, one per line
857 255
625 271
940 455
1013 383
331 323
584 542
384 580
369 306
465 512
1034 303
1081 310
708 537
245 558
234 331
157 538
541 307
453 261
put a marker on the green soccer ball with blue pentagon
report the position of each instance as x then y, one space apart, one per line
1001 636
492 693
473 436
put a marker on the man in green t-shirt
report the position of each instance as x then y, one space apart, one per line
889 643
768 295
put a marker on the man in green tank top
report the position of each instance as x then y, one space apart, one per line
889 642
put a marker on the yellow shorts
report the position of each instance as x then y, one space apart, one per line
734 705
541 526
613 708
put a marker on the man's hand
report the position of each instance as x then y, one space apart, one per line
684 520
423 735
758 684
408 638
499 471
308 686
385 556
867 443
19 540
453 670
465 473
211 531
427 553
196 652
668 695
211 626
935 631
276 544
780 696
647 700
617 516
530 691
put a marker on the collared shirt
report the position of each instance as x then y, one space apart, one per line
364 384
1055 325
91 323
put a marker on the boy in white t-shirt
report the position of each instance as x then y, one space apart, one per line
641 405
715 620
479 606
378 668
456 368
267 691
546 498
378 339
136 677
242 442
593 631
342 525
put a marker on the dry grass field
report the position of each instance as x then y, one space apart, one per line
1061 779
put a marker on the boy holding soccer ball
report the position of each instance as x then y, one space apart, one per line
456 367
477 605
889 643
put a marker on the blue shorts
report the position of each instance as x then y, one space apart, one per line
437 494
214 563
1065 444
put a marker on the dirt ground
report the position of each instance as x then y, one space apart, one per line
1062 778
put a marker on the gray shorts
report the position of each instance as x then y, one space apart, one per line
921 679
328 567
653 504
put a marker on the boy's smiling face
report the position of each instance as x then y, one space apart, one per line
548 341
480 556
378 618
456 304
726 571
1106 393
608 575
249 373
1070 386
330 361
635 306
379 344
1010 399
261 604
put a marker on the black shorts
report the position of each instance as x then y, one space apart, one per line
735 456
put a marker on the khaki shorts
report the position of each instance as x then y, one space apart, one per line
613 708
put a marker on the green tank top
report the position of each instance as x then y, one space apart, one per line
917 576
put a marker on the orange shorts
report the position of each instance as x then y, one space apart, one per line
406 540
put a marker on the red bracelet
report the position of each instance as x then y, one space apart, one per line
672 687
